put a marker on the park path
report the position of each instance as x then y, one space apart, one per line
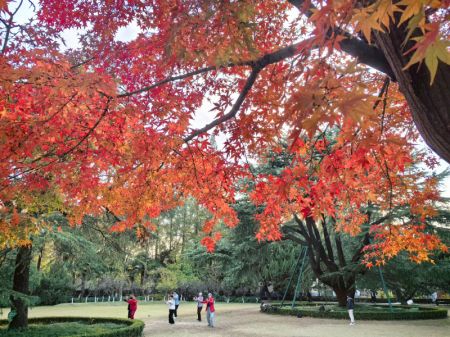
250 322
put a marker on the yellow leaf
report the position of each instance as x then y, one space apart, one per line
385 11
441 50
411 8
416 21
431 62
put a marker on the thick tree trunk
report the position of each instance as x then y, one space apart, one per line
342 287
429 104
341 295
21 284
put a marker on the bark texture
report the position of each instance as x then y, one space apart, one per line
21 284
429 104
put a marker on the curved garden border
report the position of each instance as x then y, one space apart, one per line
134 328
366 314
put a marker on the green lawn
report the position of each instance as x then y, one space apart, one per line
119 309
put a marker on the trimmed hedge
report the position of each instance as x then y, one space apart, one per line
237 299
133 328
409 313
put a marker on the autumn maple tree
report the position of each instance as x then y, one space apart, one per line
108 124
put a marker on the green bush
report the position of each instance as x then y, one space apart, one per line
53 287
361 312
236 299
129 328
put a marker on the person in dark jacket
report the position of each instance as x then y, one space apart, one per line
350 307
373 296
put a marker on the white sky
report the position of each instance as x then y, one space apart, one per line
203 116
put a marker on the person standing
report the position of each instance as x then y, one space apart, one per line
434 297
199 300
309 296
171 304
373 296
210 310
350 308
132 306
176 298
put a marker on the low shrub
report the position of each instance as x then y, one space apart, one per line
237 299
123 327
361 312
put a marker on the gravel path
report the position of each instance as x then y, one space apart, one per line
247 322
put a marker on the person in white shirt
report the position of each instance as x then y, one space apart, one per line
171 304
434 297
176 298
199 300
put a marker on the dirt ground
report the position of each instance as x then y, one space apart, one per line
245 322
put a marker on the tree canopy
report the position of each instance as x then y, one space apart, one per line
108 125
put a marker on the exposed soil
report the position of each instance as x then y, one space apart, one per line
250 322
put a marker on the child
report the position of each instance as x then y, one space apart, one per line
132 306
210 311
350 307
171 304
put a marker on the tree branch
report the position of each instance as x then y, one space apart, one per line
290 233
90 131
62 156
9 26
340 251
302 228
359 252
365 53
317 242
326 236
260 63
248 85
167 80
257 65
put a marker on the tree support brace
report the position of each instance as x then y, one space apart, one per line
300 262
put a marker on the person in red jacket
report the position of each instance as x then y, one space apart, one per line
132 306
210 310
